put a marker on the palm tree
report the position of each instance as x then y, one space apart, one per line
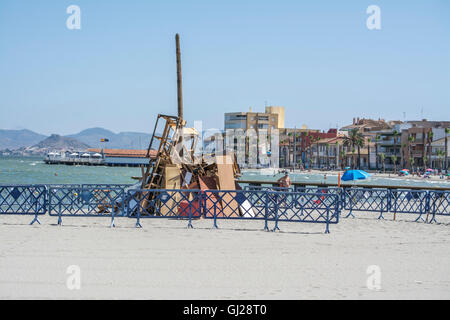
310 139
411 161
396 134
328 158
360 144
403 155
354 139
317 151
429 140
440 154
377 138
382 157
447 131
353 159
368 152
343 159
337 153
425 160
303 144
411 140
394 160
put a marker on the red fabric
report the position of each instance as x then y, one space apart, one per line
183 209
209 183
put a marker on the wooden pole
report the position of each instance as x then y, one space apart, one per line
339 179
179 84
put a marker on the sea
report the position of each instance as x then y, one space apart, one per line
27 170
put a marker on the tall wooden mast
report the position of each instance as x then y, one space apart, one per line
179 84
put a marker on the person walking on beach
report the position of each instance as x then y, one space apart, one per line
285 181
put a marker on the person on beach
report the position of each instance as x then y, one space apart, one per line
285 181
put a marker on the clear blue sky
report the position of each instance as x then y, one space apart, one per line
315 58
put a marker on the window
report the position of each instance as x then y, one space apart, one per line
237 125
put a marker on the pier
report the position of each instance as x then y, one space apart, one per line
101 157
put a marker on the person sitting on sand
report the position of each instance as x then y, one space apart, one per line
285 181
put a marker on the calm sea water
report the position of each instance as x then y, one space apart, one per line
35 171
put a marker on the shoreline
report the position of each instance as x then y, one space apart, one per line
334 173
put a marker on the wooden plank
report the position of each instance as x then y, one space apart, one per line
172 180
209 183
225 173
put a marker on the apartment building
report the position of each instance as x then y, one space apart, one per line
272 118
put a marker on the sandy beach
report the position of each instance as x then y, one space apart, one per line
392 175
165 260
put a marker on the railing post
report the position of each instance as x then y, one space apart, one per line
112 209
327 229
350 213
382 204
59 208
215 213
36 209
138 215
266 212
276 213
433 218
190 214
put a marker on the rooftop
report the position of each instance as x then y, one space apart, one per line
128 153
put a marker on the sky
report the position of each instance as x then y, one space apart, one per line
318 59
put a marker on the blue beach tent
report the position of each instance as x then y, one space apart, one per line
354 175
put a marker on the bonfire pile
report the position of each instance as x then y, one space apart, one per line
173 165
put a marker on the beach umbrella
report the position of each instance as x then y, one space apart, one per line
355 175
347 168
404 170
96 155
85 155
74 154
429 169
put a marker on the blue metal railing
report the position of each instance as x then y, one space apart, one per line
317 207
163 203
409 201
439 203
275 204
366 199
23 200
86 202
236 204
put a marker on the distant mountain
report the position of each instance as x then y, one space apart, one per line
122 140
27 140
15 139
57 142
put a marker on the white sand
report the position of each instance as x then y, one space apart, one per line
164 260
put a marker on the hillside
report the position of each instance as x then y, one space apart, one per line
26 140
15 139
122 140
57 142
